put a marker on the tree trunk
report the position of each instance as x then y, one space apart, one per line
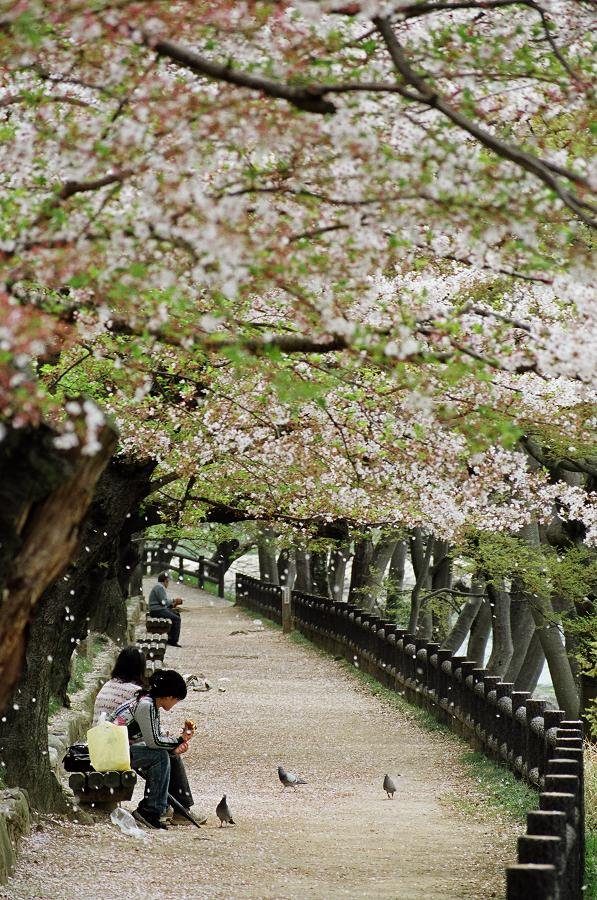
63 617
319 572
465 619
286 567
560 670
266 549
396 574
337 570
522 628
363 553
303 581
502 647
532 666
380 560
161 555
522 625
421 549
480 631
442 565
44 498
229 551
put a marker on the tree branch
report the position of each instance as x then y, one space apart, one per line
302 98
526 161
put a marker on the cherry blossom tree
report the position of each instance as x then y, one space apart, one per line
325 264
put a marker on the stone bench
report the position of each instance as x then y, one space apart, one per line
155 625
102 787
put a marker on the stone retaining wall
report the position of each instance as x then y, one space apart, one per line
66 727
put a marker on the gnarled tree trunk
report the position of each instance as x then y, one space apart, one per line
421 550
44 497
380 560
396 573
63 617
286 567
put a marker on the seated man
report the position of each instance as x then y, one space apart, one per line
162 607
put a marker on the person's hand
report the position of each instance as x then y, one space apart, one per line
177 601
182 748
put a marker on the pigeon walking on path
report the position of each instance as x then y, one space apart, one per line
289 779
389 785
223 812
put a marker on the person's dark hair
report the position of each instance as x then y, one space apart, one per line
130 665
163 576
167 683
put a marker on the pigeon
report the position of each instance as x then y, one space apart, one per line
389 785
223 812
289 779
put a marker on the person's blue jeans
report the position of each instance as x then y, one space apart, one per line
154 763
179 784
165 613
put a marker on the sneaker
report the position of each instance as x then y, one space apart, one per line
179 819
151 820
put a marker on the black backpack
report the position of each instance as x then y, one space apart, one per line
77 759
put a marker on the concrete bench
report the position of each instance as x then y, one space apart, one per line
102 787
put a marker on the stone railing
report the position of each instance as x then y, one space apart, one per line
536 742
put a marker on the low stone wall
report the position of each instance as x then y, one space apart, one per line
70 725
66 727
15 821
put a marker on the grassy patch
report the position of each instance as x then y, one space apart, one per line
503 791
423 718
53 706
591 818
209 587
268 623
84 664
591 863
81 666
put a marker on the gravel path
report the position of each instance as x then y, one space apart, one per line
337 836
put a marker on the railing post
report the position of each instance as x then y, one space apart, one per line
531 880
221 580
201 572
287 623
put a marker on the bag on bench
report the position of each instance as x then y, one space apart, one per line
77 759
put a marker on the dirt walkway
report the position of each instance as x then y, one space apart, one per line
338 836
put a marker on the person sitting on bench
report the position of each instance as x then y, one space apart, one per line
162 607
157 755
127 678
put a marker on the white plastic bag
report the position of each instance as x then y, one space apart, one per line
124 820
